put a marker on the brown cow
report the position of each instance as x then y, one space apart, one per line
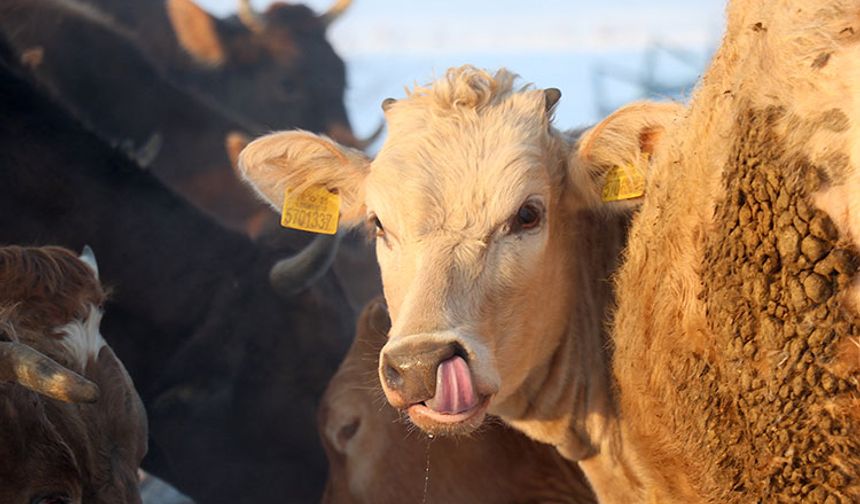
100 75
274 68
730 373
375 457
72 427
212 346
97 71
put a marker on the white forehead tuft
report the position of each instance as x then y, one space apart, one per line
82 338
462 154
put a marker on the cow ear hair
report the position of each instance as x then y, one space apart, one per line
622 146
234 143
297 160
119 407
196 31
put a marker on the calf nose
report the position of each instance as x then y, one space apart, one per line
409 370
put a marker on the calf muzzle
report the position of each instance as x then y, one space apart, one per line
408 369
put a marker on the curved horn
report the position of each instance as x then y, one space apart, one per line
551 96
344 135
250 17
295 274
367 141
335 11
89 257
41 374
387 103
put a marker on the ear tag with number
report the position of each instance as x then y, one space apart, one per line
316 209
623 183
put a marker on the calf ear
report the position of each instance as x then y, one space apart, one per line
610 162
119 413
297 160
196 31
234 143
373 326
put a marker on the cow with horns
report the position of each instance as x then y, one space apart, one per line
274 68
195 311
72 427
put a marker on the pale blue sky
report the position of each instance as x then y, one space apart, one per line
388 44
512 26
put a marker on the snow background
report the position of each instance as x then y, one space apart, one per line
601 54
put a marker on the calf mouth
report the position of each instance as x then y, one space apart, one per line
435 422
456 406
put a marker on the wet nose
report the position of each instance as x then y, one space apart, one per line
409 370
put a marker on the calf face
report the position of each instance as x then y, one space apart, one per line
72 428
374 458
476 202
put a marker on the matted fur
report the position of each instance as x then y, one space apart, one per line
702 374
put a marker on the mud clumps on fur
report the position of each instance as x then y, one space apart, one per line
774 410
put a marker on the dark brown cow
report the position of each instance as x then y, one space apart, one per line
100 75
98 72
230 372
375 457
279 72
72 427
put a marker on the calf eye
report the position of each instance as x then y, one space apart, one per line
527 217
52 499
377 226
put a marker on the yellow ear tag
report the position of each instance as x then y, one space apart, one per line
623 183
316 209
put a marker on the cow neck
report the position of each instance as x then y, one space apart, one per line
569 401
566 401
594 435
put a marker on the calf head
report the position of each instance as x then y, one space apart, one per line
72 428
479 207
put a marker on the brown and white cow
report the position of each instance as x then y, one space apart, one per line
376 457
72 427
275 68
215 330
730 371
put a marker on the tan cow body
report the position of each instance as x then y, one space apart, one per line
729 372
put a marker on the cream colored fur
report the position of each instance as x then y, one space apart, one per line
771 55
462 156
530 308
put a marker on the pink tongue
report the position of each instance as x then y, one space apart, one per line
454 390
